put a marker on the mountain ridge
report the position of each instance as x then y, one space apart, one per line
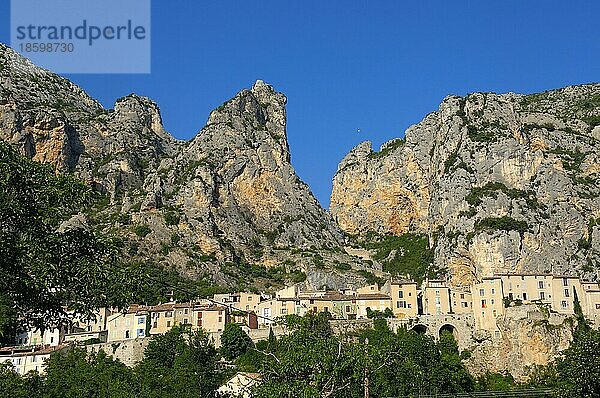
227 197
491 179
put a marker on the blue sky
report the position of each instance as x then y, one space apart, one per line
377 66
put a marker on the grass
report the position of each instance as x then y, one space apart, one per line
571 159
141 230
388 148
450 161
171 216
412 257
480 135
505 223
370 277
491 189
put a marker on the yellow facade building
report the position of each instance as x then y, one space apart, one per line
403 295
488 303
127 325
462 301
436 298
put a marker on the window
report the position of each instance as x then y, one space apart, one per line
127 334
437 292
141 320
540 284
220 319
494 313
141 333
510 296
497 334
325 309
347 308
247 307
564 304
598 306
400 294
565 282
482 292
401 304
311 301
409 294
524 296
542 296
493 291
249 298
283 311
169 314
51 339
464 304
155 325
185 321
566 293
185 311
492 301
483 304
168 324
462 296
199 323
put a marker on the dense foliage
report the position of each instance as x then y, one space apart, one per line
234 341
404 255
312 362
53 258
46 261
179 363
309 362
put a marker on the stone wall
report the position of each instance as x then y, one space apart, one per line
130 352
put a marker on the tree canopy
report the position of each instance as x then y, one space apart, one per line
234 341
47 260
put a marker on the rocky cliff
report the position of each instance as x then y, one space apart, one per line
498 183
528 338
210 207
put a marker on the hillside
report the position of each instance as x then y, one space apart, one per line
491 183
227 205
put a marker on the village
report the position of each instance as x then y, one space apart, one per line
430 308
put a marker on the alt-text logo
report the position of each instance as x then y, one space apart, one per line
83 36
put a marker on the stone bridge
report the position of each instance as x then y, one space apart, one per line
461 326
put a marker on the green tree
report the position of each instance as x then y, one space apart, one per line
45 263
8 320
579 367
74 373
180 363
311 362
234 341
12 385
495 382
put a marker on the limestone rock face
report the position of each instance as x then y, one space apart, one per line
228 196
500 183
528 338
